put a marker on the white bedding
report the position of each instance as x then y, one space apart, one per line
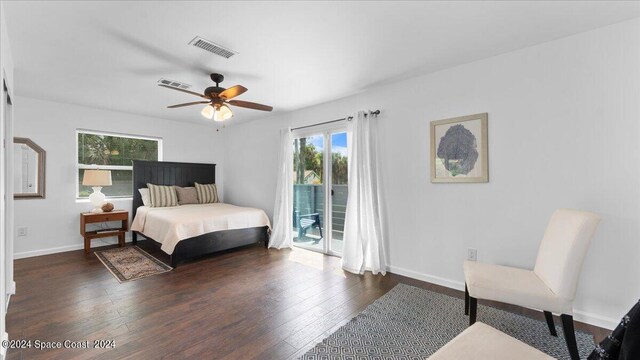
169 225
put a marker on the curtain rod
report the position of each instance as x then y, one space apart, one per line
348 118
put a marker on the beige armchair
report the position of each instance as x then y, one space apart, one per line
551 286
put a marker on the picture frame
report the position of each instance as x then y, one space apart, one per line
459 149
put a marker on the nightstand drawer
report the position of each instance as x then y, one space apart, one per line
103 217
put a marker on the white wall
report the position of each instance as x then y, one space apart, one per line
7 286
53 223
563 132
6 58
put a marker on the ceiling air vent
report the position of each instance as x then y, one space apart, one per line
175 84
212 47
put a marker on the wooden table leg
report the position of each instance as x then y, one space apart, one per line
87 245
121 239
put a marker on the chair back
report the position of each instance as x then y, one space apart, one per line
563 248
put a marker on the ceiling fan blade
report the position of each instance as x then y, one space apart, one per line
184 91
187 104
250 105
233 91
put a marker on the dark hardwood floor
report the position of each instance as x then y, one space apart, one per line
248 303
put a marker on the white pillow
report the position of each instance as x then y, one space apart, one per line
146 199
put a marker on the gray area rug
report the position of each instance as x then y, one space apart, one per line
412 323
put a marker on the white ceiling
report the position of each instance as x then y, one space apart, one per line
291 54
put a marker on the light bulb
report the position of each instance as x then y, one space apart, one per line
223 113
208 112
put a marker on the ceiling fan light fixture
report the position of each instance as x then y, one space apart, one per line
208 112
223 113
217 98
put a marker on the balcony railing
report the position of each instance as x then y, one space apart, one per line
309 199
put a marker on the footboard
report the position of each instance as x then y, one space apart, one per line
215 242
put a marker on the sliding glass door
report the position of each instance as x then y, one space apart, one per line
319 189
339 191
309 192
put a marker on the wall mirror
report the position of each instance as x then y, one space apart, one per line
29 169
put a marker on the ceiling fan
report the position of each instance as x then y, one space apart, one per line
218 98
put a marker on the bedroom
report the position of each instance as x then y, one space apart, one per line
542 78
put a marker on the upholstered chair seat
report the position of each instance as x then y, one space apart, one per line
551 285
513 286
482 342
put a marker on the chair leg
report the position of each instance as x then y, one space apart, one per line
466 300
552 326
320 229
570 336
473 310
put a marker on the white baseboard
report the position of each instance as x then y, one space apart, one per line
28 254
578 315
595 319
457 285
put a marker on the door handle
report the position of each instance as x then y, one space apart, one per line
331 192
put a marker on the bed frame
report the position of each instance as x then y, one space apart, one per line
186 174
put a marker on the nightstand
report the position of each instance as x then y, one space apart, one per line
92 218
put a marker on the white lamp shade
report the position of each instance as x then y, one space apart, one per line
96 178
223 113
207 112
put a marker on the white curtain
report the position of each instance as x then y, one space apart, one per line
363 244
283 209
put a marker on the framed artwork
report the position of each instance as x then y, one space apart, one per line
459 150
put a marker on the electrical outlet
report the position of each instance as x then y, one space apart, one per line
22 231
472 254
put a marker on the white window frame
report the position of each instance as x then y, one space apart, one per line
109 167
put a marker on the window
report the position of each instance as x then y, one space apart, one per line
114 152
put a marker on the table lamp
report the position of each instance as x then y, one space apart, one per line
97 179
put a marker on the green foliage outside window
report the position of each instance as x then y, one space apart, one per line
339 168
111 150
306 157
114 150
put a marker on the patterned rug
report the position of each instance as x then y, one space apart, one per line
131 263
412 323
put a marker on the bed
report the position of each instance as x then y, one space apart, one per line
221 226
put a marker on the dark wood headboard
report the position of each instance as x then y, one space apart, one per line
168 173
